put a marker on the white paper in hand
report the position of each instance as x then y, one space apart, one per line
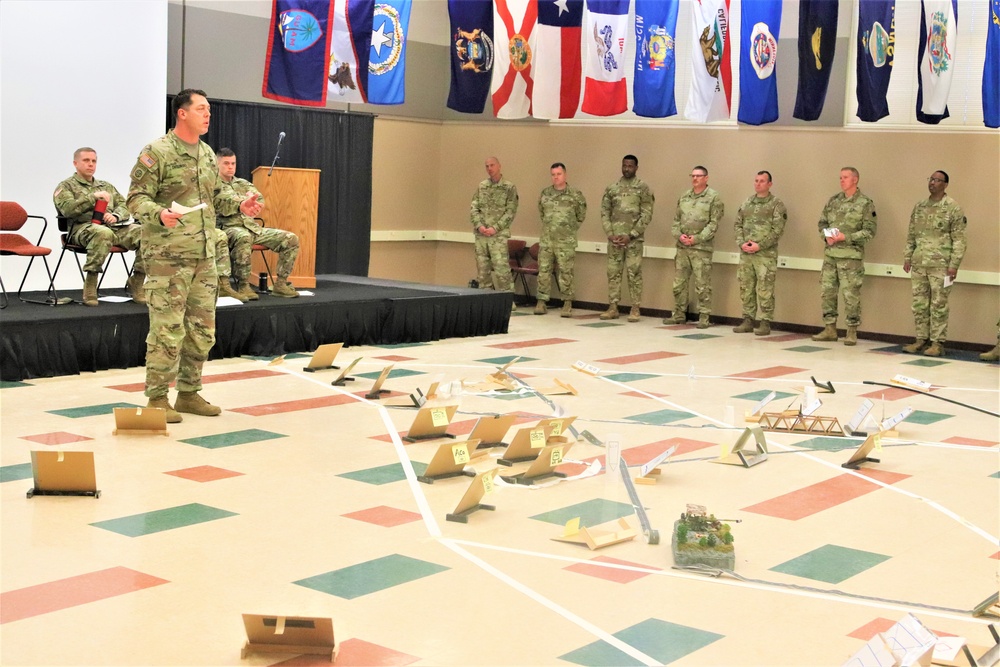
184 210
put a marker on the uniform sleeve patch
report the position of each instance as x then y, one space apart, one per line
138 173
56 193
147 160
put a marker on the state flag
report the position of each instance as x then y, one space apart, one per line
817 46
605 92
298 52
761 23
710 96
472 54
387 60
655 58
352 39
991 68
558 67
513 26
936 58
876 48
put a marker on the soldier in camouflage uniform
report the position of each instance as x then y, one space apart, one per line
847 224
562 209
935 246
244 232
626 209
760 222
75 199
994 354
223 267
179 253
699 211
493 209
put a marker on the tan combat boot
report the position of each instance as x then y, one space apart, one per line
678 317
763 329
851 339
916 347
633 314
611 313
173 417
192 402
244 290
935 350
567 309
283 288
829 333
135 289
746 326
992 355
226 289
703 321
90 289
540 308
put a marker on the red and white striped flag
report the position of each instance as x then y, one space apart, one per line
558 66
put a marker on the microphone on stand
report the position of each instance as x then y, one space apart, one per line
277 150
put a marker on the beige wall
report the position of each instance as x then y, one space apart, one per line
425 173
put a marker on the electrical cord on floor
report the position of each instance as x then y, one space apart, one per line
940 398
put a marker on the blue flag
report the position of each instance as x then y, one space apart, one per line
876 49
471 54
655 64
817 45
387 60
991 69
935 58
761 23
298 52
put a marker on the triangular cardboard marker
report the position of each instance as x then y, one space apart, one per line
289 634
61 473
323 357
598 537
140 421
741 455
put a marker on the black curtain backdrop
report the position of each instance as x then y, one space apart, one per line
339 144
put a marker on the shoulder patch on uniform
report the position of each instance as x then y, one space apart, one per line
147 159
138 173
56 193
874 214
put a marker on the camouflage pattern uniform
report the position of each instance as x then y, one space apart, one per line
243 232
626 209
74 198
935 242
697 215
181 279
562 212
494 205
843 262
761 220
223 266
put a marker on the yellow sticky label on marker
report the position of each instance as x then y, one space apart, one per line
439 417
557 456
537 438
460 453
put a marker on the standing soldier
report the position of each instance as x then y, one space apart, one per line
994 354
626 209
178 248
760 221
562 209
699 211
75 198
848 223
493 209
935 245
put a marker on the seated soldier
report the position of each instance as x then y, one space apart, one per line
243 232
76 199
223 267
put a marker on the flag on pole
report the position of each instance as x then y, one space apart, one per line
991 69
817 45
605 92
655 61
876 46
387 60
298 52
711 90
936 58
513 25
558 67
352 39
472 54
761 23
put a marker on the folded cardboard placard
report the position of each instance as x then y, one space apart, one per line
62 473
450 460
342 378
526 444
377 389
140 421
431 422
860 455
544 465
481 485
289 634
648 470
741 454
490 431
323 357
597 537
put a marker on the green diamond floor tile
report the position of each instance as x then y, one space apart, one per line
925 363
233 438
756 396
698 336
160 520
661 640
394 373
92 410
601 325
831 563
371 577
383 474
827 443
510 396
10 384
996 474
660 417
806 348
15 472
629 377
591 512
396 346
500 361
925 418
298 355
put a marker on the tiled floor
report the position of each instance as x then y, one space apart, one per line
301 499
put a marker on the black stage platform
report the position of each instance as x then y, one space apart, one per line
45 341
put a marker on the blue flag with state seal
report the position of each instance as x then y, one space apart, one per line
298 52
876 52
760 26
471 54
655 61
991 68
387 58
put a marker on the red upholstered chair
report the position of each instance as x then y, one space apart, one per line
64 225
12 219
527 265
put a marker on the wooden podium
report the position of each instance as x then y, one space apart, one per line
291 202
